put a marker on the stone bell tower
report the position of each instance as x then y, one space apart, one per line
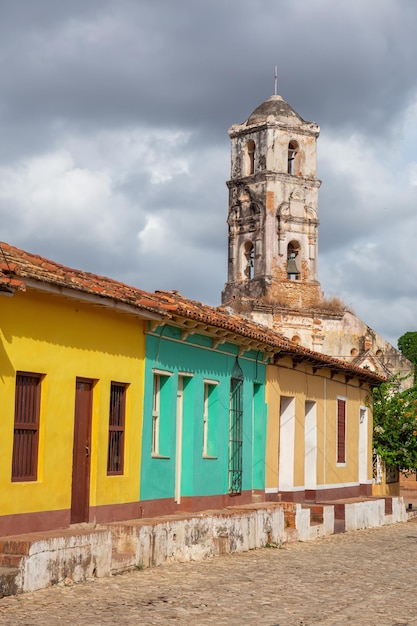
273 202
273 249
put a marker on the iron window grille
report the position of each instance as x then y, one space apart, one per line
341 431
236 431
115 457
26 427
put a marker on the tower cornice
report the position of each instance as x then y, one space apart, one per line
263 176
309 129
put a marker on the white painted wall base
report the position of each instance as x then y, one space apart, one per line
371 513
75 556
307 531
118 547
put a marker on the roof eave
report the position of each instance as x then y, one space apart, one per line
107 302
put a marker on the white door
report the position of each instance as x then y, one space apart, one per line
363 446
286 444
310 446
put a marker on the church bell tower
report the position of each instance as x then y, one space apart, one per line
273 202
272 249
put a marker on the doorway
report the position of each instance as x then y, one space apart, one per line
80 492
310 446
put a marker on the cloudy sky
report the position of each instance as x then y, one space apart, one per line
114 149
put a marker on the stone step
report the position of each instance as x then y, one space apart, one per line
121 562
339 526
15 546
291 535
289 519
8 585
257 497
10 560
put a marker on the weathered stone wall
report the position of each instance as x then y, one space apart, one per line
338 333
73 556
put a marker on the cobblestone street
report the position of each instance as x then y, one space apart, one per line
361 578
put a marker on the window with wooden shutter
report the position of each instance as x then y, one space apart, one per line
115 455
156 405
341 430
163 399
26 427
210 418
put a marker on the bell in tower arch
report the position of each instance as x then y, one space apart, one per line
249 258
293 273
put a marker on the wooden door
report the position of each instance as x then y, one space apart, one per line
80 493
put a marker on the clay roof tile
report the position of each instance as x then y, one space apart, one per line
15 262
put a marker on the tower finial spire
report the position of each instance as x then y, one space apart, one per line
275 81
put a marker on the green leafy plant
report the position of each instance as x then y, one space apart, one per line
395 424
407 344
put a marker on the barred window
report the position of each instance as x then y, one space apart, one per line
341 430
236 430
26 427
115 457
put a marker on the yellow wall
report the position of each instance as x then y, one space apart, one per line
63 339
388 489
385 489
300 383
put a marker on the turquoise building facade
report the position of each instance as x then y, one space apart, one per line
204 423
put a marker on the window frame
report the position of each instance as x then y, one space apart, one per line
235 463
116 445
156 408
341 424
29 448
156 412
209 387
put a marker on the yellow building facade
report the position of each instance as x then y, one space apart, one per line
67 356
319 433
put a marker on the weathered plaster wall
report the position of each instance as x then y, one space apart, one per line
337 332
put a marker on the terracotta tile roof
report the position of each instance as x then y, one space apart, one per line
17 267
21 265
